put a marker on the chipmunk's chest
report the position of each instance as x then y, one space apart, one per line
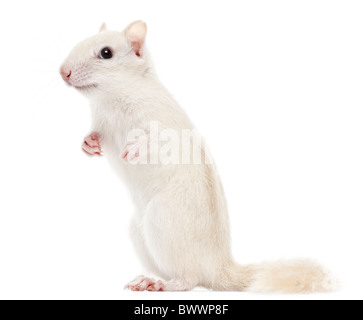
114 123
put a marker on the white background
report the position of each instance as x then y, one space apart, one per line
274 86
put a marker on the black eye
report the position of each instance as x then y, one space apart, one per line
106 53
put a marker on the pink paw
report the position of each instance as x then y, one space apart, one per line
142 283
135 152
91 145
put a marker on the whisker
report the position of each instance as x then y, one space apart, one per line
53 62
64 43
55 50
41 88
36 75
54 71
57 56
45 91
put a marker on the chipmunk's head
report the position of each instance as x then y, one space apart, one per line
107 61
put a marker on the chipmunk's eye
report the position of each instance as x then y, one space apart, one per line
106 53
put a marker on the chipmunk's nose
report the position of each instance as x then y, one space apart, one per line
65 73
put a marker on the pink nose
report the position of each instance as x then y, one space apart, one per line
66 74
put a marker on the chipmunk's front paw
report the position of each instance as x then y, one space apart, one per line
135 152
91 145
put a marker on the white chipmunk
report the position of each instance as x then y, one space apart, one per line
180 229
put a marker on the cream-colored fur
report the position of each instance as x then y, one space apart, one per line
180 228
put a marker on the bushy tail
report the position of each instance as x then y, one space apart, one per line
289 276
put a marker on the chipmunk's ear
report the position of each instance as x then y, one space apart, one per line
103 27
136 33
